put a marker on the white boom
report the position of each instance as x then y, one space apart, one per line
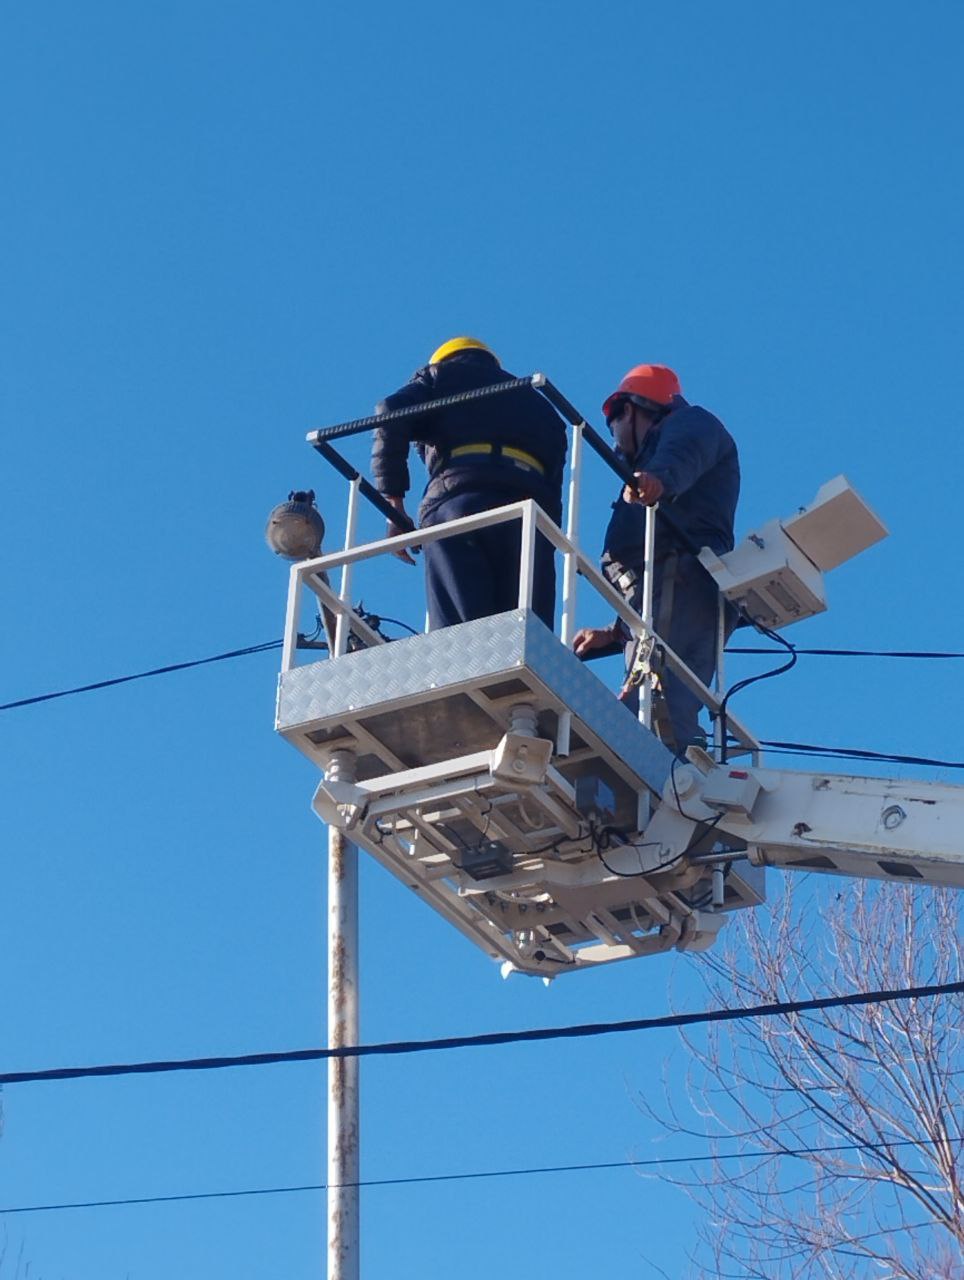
876 828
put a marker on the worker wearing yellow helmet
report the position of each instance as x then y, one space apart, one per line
479 454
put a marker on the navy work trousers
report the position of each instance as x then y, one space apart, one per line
476 574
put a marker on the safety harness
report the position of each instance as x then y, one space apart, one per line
649 658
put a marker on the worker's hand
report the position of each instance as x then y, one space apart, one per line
395 531
644 488
590 638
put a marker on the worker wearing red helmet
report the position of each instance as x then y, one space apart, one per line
686 460
480 454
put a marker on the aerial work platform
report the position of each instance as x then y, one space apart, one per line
460 791
498 778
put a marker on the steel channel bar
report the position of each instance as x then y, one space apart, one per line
365 486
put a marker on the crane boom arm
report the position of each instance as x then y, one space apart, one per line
877 828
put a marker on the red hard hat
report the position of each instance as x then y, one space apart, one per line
651 382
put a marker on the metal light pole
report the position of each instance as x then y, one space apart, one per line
343 1109
295 531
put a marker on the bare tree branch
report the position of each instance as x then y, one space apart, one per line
775 1089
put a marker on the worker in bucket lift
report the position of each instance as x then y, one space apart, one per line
480 454
685 459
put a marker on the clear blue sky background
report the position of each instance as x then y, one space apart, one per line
224 224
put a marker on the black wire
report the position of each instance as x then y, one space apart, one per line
744 684
679 804
448 830
632 875
375 620
625 843
392 1048
707 898
396 622
857 753
186 666
705 901
857 653
319 626
142 675
476 1174
276 644
602 840
555 844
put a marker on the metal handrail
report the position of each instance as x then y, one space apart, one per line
575 564
536 381
534 520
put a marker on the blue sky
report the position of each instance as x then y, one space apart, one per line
224 225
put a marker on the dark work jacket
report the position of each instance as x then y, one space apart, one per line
522 419
695 457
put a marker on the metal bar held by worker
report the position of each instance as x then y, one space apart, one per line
365 487
608 455
357 425
318 440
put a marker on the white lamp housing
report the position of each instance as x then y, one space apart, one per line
776 573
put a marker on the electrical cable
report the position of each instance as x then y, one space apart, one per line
744 684
267 647
708 896
143 675
857 653
601 839
276 644
392 1048
397 622
554 844
674 765
857 753
633 875
375 620
478 1174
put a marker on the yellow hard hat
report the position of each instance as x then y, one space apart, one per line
459 344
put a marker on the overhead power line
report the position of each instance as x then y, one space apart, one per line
853 653
276 644
478 1174
486 1039
857 753
142 675
785 748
